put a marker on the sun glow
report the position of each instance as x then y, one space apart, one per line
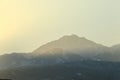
34 22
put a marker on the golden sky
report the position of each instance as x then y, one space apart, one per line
27 24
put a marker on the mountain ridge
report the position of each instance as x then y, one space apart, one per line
68 43
66 49
68 58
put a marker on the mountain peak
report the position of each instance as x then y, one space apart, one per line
71 37
72 43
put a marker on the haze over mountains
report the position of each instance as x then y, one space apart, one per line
86 55
67 48
70 43
81 46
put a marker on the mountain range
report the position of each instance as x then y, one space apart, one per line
81 46
67 48
70 49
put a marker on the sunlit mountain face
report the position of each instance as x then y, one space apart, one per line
68 58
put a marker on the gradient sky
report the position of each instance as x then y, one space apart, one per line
27 24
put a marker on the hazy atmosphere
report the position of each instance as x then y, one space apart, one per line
27 24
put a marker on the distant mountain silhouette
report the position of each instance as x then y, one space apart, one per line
76 45
68 58
68 48
70 43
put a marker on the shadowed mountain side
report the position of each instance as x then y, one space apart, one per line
81 70
116 52
21 60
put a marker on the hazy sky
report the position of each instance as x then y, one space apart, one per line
27 24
